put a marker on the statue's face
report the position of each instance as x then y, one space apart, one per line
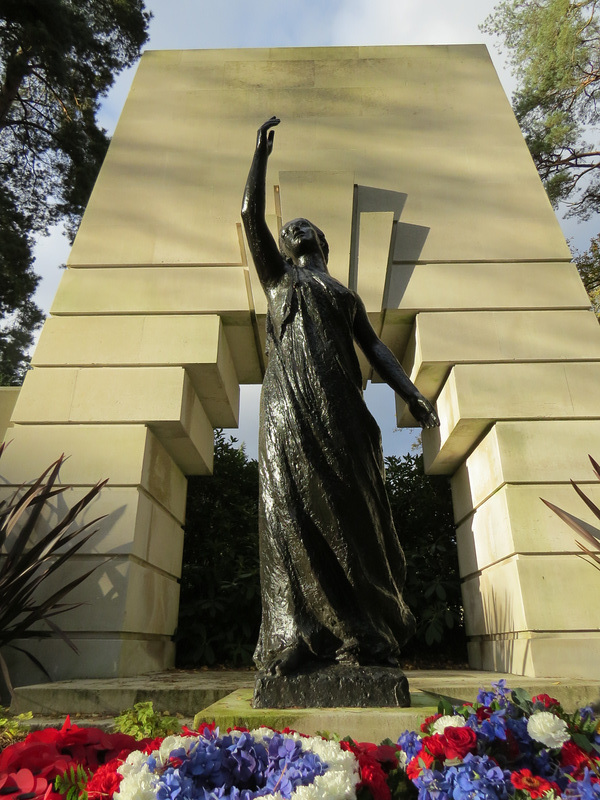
297 238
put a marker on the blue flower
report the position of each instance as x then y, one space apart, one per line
500 693
410 742
495 726
434 785
480 778
584 789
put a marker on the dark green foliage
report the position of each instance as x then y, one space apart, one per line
33 557
219 611
554 49
71 785
588 264
422 509
19 315
58 58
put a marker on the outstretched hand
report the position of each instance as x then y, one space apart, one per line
423 411
265 136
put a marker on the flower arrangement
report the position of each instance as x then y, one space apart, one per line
503 747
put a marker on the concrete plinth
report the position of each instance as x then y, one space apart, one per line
364 724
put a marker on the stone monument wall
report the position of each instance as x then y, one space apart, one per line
411 161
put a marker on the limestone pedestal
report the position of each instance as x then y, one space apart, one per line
363 724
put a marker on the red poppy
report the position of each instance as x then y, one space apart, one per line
22 782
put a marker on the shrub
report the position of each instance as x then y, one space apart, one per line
32 557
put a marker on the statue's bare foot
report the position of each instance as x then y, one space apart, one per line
347 654
288 659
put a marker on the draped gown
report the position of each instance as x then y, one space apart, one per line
332 569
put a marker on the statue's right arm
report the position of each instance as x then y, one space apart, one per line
267 258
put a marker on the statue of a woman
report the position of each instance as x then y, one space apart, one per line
332 569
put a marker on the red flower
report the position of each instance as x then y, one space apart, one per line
372 777
532 784
428 721
483 712
22 782
459 742
436 745
548 701
417 764
105 781
571 755
384 754
150 746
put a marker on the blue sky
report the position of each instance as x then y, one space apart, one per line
182 24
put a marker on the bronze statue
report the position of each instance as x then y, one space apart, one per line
332 569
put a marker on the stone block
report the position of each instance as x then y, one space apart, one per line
539 285
476 395
196 342
133 524
162 397
396 332
571 653
514 520
375 232
149 290
8 399
325 198
526 593
129 455
168 198
444 339
363 724
544 451
120 595
109 656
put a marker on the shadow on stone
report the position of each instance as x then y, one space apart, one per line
333 686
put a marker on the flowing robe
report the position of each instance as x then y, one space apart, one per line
332 569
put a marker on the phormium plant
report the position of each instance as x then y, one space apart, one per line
591 536
30 558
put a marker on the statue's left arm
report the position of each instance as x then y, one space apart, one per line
387 365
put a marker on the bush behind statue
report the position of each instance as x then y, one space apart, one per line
219 613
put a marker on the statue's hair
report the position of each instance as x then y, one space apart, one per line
320 234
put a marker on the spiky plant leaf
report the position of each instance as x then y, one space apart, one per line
33 557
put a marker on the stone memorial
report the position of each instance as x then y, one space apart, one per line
412 162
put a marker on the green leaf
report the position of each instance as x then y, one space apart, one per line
522 699
583 742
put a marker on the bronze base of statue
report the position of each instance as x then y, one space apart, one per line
333 686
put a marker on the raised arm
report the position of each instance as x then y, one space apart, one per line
267 258
387 365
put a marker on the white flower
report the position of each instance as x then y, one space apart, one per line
171 743
548 729
337 783
449 721
139 783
